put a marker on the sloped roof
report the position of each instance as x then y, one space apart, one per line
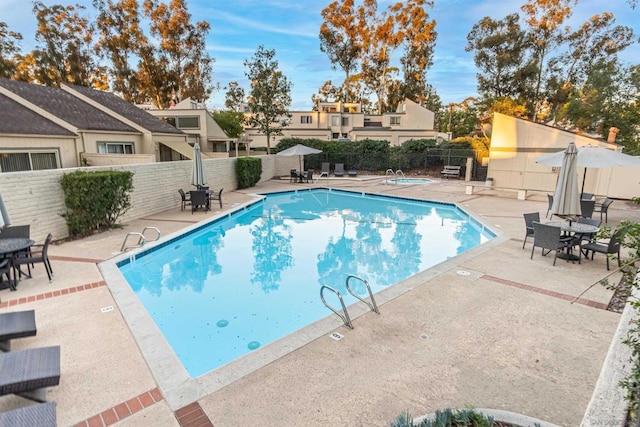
18 119
125 109
66 106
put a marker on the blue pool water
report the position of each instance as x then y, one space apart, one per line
246 280
411 181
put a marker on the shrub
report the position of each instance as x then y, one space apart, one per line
447 418
95 200
248 171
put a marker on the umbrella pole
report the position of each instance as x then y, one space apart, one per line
300 163
584 177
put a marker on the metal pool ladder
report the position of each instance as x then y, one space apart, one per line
141 238
344 314
395 175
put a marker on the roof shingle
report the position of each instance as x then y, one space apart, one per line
18 119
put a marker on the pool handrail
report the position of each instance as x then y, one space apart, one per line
345 319
373 306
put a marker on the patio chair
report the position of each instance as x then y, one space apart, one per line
550 200
199 199
28 372
529 218
579 238
17 324
41 415
216 195
609 248
293 175
308 176
186 200
586 208
325 169
548 237
5 271
18 232
603 208
586 196
39 253
339 169
352 173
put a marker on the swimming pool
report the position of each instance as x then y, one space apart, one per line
208 289
410 181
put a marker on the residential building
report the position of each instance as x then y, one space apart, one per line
195 120
343 120
47 128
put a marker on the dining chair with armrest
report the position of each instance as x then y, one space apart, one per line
39 253
199 199
548 237
603 208
216 195
529 218
586 208
186 200
609 248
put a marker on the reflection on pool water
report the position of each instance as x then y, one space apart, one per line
410 181
250 278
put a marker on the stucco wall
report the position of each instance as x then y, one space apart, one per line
36 197
65 146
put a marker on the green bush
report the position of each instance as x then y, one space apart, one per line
447 418
95 200
248 171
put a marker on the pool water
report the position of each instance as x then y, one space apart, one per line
411 181
236 284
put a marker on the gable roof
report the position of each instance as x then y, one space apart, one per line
66 107
18 119
125 109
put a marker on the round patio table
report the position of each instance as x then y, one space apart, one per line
9 248
572 227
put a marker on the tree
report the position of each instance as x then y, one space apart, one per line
230 122
9 50
234 97
121 40
340 39
182 52
64 48
270 95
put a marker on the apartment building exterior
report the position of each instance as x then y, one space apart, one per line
342 120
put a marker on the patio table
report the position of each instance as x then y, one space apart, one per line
9 248
575 228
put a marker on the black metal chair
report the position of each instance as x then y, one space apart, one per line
39 253
529 218
550 201
579 238
603 208
609 248
216 195
293 177
199 199
186 200
548 237
586 208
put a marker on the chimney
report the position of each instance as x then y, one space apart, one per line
613 131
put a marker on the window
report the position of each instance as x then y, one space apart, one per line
170 120
115 147
26 161
345 121
190 122
329 109
306 119
335 135
335 120
395 120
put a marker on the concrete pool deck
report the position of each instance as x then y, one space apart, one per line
503 336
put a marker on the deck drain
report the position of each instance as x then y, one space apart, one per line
463 273
424 336
336 336
107 309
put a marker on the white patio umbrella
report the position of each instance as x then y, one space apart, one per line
592 156
197 170
566 200
299 150
4 214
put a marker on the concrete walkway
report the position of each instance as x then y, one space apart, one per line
504 336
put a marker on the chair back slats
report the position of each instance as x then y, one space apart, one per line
586 208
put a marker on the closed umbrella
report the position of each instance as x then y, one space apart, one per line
566 200
4 214
299 150
592 156
197 170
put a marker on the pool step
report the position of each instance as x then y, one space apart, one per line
344 314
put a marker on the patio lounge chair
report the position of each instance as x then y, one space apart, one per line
28 372
352 173
39 253
339 169
186 200
41 415
528 222
548 237
609 248
325 169
17 324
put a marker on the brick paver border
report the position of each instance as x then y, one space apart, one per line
123 410
192 415
52 294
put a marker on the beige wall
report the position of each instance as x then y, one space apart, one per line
90 140
65 146
36 197
117 159
516 144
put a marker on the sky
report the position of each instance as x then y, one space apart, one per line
291 28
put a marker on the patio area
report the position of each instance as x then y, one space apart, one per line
504 336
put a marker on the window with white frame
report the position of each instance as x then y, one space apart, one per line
105 147
335 120
306 119
395 120
14 161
